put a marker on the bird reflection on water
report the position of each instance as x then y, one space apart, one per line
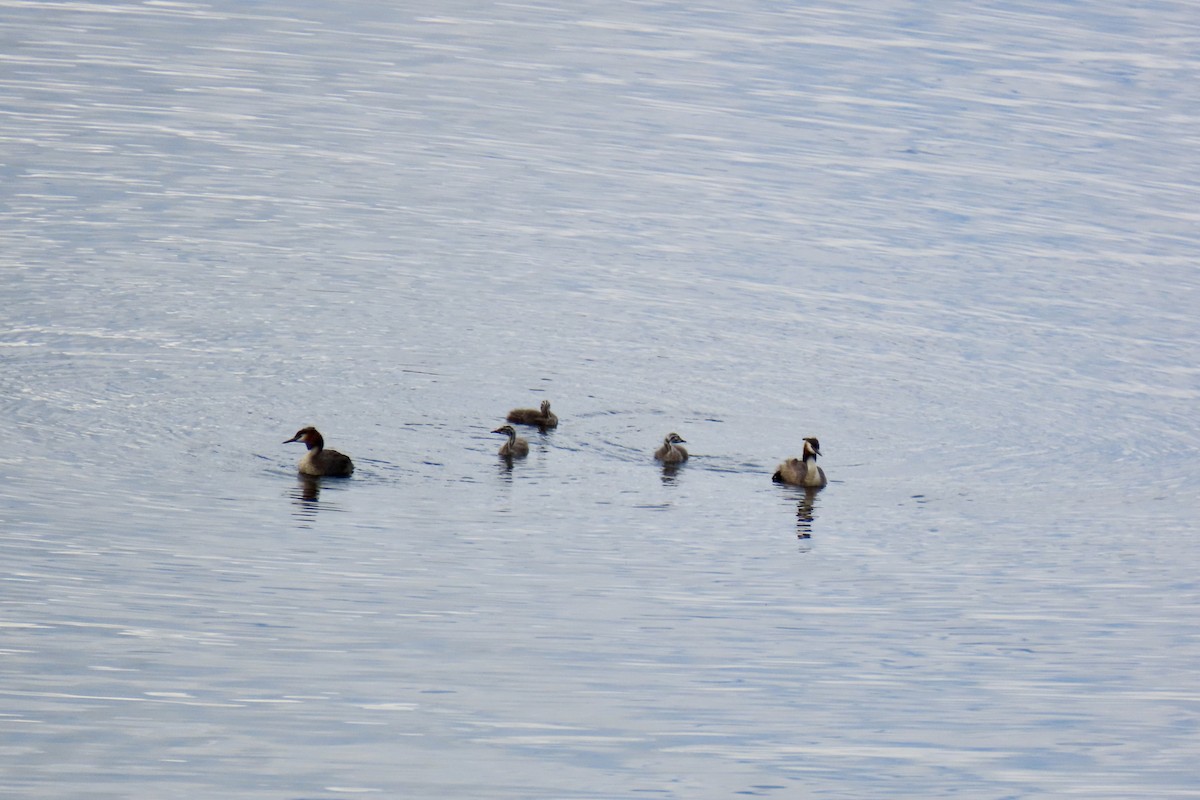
506 468
306 495
805 513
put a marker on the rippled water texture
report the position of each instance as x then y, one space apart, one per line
958 245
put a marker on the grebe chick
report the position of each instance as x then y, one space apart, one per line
803 471
543 418
515 447
671 452
319 461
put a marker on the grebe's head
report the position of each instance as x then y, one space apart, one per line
310 436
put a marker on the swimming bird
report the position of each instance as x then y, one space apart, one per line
318 460
543 418
671 452
803 471
515 447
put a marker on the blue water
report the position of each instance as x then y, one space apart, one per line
958 246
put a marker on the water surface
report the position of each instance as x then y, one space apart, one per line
957 247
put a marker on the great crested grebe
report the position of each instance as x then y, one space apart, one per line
671 452
543 417
803 471
515 447
318 460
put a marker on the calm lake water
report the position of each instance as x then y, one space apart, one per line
959 247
